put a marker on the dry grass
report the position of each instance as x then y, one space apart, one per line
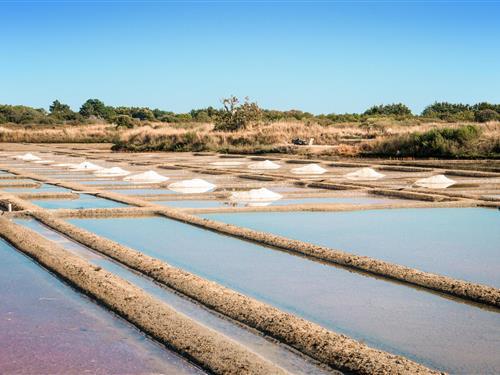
94 133
345 139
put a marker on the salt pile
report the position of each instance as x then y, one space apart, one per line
364 174
86 166
439 181
255 197
309 169
111 172
27 157
195 185
149 177
266 164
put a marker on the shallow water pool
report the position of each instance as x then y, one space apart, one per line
269 349
152 191
84 201
439 332
48 327
44 188
282 202
463 243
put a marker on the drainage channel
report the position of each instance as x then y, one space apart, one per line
273 351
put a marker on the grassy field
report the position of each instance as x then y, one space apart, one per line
379 136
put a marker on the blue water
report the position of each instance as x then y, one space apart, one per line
106 182
436 331
85 201
267 348
462 243
282 202
47 327
151 191
44 188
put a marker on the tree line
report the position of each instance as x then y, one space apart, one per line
233 114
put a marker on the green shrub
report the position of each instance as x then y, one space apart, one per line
397 109
124 121
444 142
486 115
235 116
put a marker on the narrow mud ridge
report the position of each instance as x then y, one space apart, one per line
6 185
205 347
337 351
412 195
328 207
47 195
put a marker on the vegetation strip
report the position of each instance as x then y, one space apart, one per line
337 351
204 346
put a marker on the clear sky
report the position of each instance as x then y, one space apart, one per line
318 56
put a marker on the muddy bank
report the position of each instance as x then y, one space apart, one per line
104 212
327 207
337 351
6 185
421 196
47 195
205 347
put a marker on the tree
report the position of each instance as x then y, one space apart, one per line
96 108
61 111
236 116
397 109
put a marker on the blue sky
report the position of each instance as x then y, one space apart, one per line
318 56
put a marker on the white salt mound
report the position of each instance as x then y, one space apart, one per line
255 195
266 164
27 157
364 174
111 172
149 177
195 185
86 166
309 169
439 181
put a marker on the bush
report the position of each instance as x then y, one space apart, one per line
398 109
235 116
486 115
124 121
20 114
444 142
